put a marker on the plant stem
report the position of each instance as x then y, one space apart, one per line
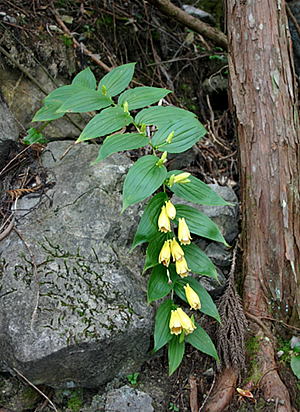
44 125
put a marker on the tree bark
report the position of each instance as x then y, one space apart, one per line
264 101
265 104
223 391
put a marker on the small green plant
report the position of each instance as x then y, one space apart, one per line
218 57
133 378
295 360
192 108
291 356
89 30
164 226
285 347
173 407
66 40
75 400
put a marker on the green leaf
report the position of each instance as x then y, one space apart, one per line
104 123
199 223
47 112
198 262
158 286
160 115
63 93
295 365
85 79
34 137
162 334
142 96
143 178
201 341
196 191
175 353
85 101
187 132
119 142
207 304
148 226
118 79
154 249
296 348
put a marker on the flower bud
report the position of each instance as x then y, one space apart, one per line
162 159
104 91
192 297
170 137
182 178
171 180
125 106
170 209
169 279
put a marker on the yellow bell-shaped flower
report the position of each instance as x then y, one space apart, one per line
164 221
174 324
184 235
170 209
185 321
181 267
192 297
177 252
165 254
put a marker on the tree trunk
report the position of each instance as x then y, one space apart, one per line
264 101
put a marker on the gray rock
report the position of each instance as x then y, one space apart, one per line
178 161
219 254
25 97
294 341
127 399
209 373
210 283
225 217
91 322
9 129
199 14
10 19
279 354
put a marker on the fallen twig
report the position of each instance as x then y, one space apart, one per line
280 321
208 395
193 393
259 322
37 389
216 36
84 49
7 231
292 17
